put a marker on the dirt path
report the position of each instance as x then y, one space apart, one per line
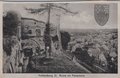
58 64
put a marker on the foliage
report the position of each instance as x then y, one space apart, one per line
65 38
10 23
47 38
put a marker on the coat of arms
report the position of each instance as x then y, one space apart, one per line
101 13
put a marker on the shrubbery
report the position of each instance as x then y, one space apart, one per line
65 38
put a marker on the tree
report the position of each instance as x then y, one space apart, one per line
65 38
10 23
47 8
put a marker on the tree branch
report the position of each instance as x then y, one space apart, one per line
59 7
31 10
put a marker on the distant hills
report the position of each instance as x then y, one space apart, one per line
89 30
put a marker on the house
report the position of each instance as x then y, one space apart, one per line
32 32
32 28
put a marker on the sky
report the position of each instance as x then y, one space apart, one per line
62 0
84 19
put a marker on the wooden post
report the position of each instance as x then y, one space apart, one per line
47 33
58 32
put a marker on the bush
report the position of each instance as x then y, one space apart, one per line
65 38
10 23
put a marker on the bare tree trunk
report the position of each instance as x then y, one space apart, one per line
58 33
47 34
48 13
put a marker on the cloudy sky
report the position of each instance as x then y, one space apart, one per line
83 20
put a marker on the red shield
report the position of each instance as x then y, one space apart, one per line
101 13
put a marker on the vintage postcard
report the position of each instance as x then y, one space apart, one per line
57 0
60 39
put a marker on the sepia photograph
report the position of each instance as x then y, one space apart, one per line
60 38
56 0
